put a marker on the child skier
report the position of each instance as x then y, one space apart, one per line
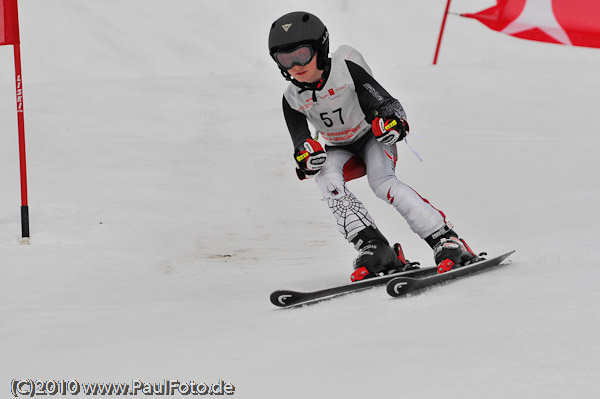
360 121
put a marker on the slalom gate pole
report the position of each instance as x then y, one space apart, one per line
22 160
439 43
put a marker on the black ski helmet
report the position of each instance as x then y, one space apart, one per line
295 29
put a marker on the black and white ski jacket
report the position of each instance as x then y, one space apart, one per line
345 105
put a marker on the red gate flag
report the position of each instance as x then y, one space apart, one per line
569 22
9 26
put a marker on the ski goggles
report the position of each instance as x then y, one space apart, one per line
299 56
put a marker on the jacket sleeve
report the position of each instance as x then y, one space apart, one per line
296 123
372 96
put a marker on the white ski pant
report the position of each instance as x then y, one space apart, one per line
380 161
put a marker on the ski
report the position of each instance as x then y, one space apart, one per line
289 298
402 285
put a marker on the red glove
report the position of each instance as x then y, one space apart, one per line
310 158
389 131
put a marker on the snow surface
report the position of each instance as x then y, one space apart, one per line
165 209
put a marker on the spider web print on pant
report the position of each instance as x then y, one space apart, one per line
350 213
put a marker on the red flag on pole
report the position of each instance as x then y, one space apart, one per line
9 26
439 43
9 34
568 22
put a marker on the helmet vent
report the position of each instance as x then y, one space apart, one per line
305 17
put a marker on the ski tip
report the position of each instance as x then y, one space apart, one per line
506 255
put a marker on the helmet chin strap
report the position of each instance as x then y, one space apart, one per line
285 74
